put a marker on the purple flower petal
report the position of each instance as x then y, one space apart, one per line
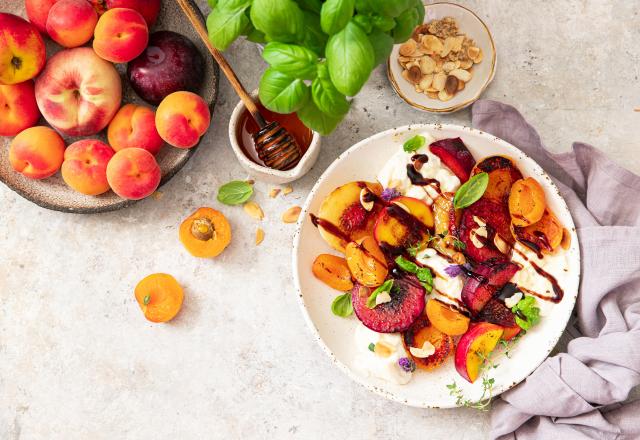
389 194
407 364
454 270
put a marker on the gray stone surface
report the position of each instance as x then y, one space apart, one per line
78 360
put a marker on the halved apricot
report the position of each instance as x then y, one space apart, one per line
446 319
545 235
333 271
526 202
205 233
502 174
159 296
366 262
422 331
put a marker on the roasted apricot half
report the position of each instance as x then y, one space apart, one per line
543 236
446 319
159 296
502 174
366 262
205 233
333 271
422 331
526 202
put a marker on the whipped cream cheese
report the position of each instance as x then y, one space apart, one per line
394 174
372 364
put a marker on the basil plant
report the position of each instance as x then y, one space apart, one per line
320 52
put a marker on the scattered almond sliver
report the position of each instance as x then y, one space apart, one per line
254 210
427 350
287 190
291 215
259 236
274 192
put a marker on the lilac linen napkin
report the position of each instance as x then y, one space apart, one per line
580 394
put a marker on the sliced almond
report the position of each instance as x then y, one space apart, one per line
365 199
461 85
473 52
425 351
478 221
439 80
432 44
448 45
407 48
432 95
274 192
466 64
427 65
478 59
259 236
457 43
287 190
254 210
451 85
383 298
449 66
462 75
415 74
514 299
500 244
291 215
425 82
383 349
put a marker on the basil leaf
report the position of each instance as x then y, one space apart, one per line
335 15
341 305
314 38
350 59
296 61
426 277
235 192
281 20
414 144
406 265
385 287
282 93
212 3
471 191
383 23
421 11
405 24
255 36
312 5
390 8
363 6
527 312
232 5
364 21
326 97
317 120
225 26
382 45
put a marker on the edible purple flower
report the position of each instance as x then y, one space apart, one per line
389 194
454 270
407 364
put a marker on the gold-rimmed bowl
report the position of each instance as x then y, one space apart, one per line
473 27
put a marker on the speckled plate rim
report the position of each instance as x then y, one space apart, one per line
465 104
124 203
429 127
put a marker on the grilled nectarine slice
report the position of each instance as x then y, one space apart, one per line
159 296
474 347
542 236
455 155
333 271
366 262
526 202
423 331
404 223
205 233
446 319
502 174
342 211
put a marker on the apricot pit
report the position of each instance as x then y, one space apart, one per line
205 233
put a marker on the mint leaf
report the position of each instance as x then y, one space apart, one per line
413 144
471 191
386 287
341 305
372 347
527 312
235 192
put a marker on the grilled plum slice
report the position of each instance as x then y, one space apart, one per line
498 221
503 173
422 331
496 312
407 303
455 155
487 279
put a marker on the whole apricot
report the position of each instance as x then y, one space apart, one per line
205 233
159 296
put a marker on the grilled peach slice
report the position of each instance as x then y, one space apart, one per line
542 236
526 202
446 319
405 222
342 218
366 262
474 346
423 331
502 175
333 271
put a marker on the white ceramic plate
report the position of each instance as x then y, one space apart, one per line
336 335
483 73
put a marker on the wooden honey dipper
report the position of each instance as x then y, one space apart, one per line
274 144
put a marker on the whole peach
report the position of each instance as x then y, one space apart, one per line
133 173
120 35
149 9
71 22
182 118
18 107
78 93
134 126
22 51
37 152
38 11
85 166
